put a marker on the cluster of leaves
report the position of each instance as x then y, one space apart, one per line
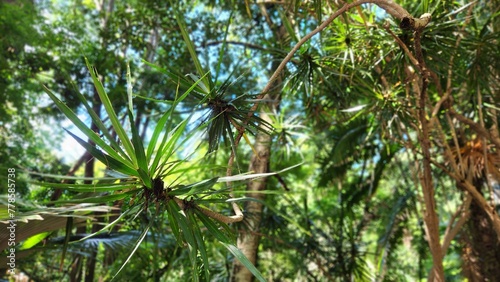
347 108
143 170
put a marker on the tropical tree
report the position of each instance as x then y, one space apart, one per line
389 108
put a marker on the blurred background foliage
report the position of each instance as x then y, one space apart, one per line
345 108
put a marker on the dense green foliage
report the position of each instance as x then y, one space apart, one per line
380 142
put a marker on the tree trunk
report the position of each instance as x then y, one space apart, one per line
248 237
481 251
89 172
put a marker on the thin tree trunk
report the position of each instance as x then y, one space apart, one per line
89 172
248 238
107 7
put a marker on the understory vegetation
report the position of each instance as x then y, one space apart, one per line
250 140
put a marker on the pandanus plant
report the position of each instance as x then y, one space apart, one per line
151 176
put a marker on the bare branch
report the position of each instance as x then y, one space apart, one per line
431 218
451 232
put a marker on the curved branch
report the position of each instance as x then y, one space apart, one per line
210 213
390 7
431 218
452 230
476 127
476 196
220 217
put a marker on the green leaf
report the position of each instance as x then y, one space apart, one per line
201 186
188 233
129 89
167 148
201 243
193 189
112 224
98 122
69 227
223 50
94 187
288 25
120 131
99 198
142 162
86 130
109 161
139 241
33 241
161 125
192 51
68 177
244 260
173 208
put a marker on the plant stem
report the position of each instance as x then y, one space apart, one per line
430 214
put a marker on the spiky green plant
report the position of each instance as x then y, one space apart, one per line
146 177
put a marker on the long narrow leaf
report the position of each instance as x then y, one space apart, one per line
192 51
99 199
180 79
161 126
187 231
105 159
195 188
112 224
222 51
98 122
34 240
226 242
173 141
90 187
173 208
139 241
201 243
167 149
142 162
85 129
129 89
201 186
120 131
69 227
244 260
68 177
240 177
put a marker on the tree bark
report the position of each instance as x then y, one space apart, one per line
89 172
248 239
481 251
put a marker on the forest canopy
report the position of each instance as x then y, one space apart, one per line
250 140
